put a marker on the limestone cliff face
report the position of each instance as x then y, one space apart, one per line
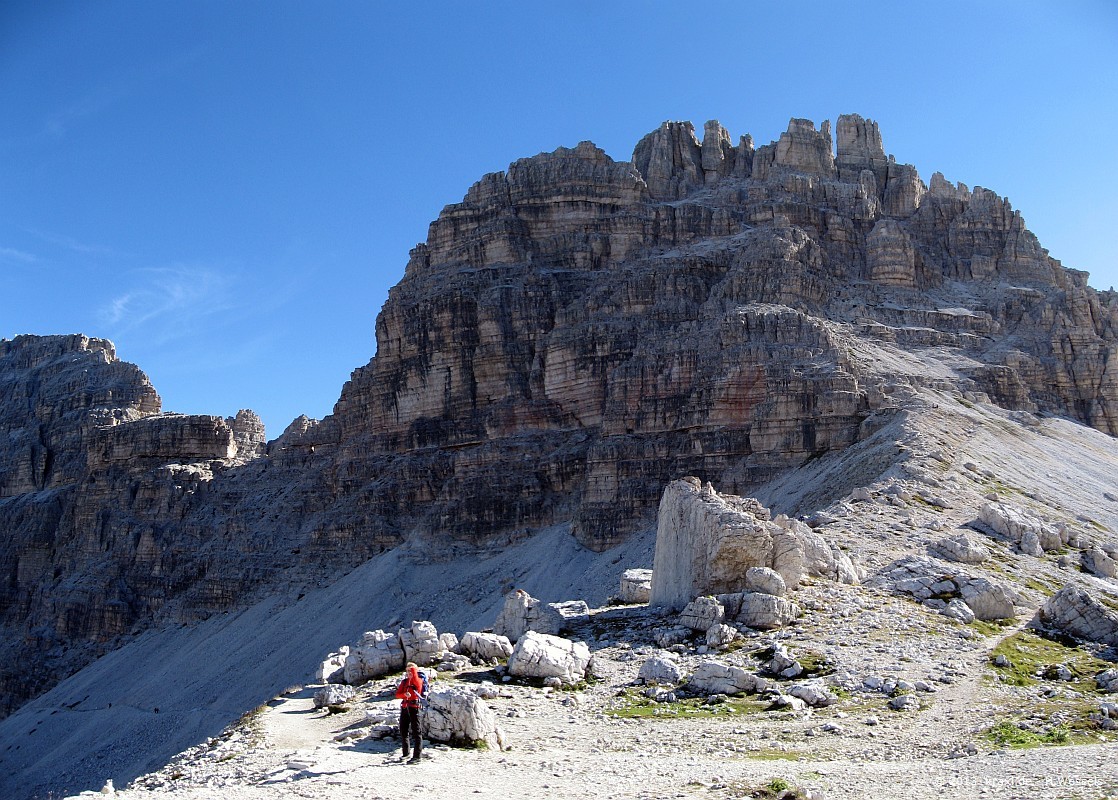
577 331
573 335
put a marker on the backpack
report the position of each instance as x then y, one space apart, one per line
423 677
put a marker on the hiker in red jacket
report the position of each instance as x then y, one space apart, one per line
410 693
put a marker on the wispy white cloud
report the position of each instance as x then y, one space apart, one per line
169 303
10 254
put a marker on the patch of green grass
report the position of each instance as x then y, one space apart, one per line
1031 657
1096 525
634 705
1044 587
990 628
1018 734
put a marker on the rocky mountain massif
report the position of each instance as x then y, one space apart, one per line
573 335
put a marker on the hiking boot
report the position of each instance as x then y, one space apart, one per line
414 759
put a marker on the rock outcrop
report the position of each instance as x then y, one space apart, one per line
1074 611
708 543
540 655
456 715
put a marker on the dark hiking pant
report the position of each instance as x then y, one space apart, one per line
409 721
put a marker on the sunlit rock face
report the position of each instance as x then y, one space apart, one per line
574 334
578 331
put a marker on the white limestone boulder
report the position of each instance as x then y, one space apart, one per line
378 653
332 668
766 611
701 613
765 581
814 693
517 616
456 715
636 586
333 694
661 669
421 643
1074 611
988 600
1097 562
959 611
962 549
485 646
1022 527
540 655
559 618
715 677
719 635
706 542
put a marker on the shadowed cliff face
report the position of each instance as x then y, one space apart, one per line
573 335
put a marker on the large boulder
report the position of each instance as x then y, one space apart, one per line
661 669
456 715
517 616
1097 562
818 557
814 693
766 611
715 677
485 646
421 643
333 694
636 586
557 618
1074 611
961 549
706 542
1022 527
378 653
988 600
540 655
719 635
332 668
701 613
765 581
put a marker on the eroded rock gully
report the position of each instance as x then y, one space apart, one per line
574 334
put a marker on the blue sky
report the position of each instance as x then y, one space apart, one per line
227 190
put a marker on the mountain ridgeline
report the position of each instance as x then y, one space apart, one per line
574 334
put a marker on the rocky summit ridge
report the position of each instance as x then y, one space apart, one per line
574 334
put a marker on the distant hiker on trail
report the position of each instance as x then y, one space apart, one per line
410 692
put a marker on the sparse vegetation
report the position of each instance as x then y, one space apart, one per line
776 789
632 704
1031 657
1064 727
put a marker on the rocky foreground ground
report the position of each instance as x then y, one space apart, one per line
922 705
606 739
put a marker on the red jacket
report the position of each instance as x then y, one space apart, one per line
410 689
